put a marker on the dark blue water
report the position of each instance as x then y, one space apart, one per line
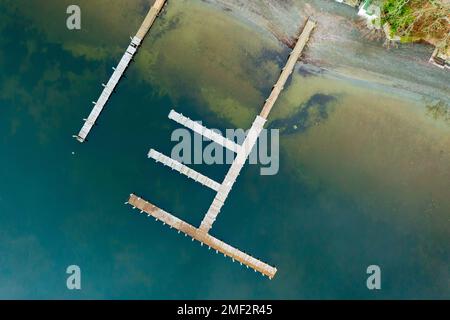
62 203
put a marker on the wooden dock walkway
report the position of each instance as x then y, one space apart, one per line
201 234
207 133
150 18
289 68
185 170
119 70
255 130
232 174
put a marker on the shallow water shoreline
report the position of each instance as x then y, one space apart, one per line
337 28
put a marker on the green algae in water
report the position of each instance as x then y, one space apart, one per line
366 185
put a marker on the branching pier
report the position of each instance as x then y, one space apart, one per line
223 189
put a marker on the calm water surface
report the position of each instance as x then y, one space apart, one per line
364 176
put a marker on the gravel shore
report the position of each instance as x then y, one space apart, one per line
340 47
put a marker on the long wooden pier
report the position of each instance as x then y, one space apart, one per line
256 129
288 69
119 70
233 173
201 234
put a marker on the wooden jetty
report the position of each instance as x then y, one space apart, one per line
120 70
256 129
181 168
223 189
203 237
232 174
207 133
288 69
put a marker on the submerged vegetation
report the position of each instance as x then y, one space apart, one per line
439 110
312 113
414 20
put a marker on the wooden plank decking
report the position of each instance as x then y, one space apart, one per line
203 237
207 133
100 104
201 234
185 170
289 68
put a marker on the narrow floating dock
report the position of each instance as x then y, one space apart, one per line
207 133
185 170
119 70
201 236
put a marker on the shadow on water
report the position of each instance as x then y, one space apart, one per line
311 113
318 220
308 70
166 25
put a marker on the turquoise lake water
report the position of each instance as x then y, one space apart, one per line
366 181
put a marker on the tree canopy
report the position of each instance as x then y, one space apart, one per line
419 19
